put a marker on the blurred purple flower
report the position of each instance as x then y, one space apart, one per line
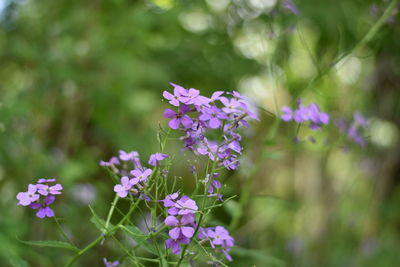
156 158
123 188
26 198
45 189
126 156
44 209
109 263
288 4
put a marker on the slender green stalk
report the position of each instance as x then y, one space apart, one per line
62 231
83 251
214 165
100 238
110 213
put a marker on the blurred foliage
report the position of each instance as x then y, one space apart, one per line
82 79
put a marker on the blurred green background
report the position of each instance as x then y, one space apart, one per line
82 79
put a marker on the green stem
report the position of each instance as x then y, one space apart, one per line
62 231
100 238
110 213
203 204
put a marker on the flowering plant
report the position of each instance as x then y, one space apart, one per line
208 127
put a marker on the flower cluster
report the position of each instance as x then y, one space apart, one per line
134 175
182 218
195 115
219 239
214 186
311 114
40 196
354 129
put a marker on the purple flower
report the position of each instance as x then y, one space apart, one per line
316 117
287 114
45 189
109 263
32 199
175 98
231 106
186 206
359 119
112 161
156 158
126 156
354 130
123 188
214 116
288 4
180 226
219 238
216 96
190 96
208 148
141 175
26 198
170 200
178 118
302 114
175 244
44 209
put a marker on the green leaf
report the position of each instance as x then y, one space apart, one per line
259 256
98 222
139 237
54 244
17 262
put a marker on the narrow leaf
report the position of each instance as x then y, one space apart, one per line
139 237
54 244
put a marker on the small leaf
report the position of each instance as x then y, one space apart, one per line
17 262
139 237
98 222
54 244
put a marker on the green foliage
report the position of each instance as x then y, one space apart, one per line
82 79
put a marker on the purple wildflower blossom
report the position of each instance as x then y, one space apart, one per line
216 96
170 200
231 106
214 116
302 114
354 130
52 190
141 175
32 197
287 114
178 118
26 198
126 156
219 239
209 114
123 188
156 158
44 209
109 263
288 4
112 161
175 244
186 206
176 98
180 226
